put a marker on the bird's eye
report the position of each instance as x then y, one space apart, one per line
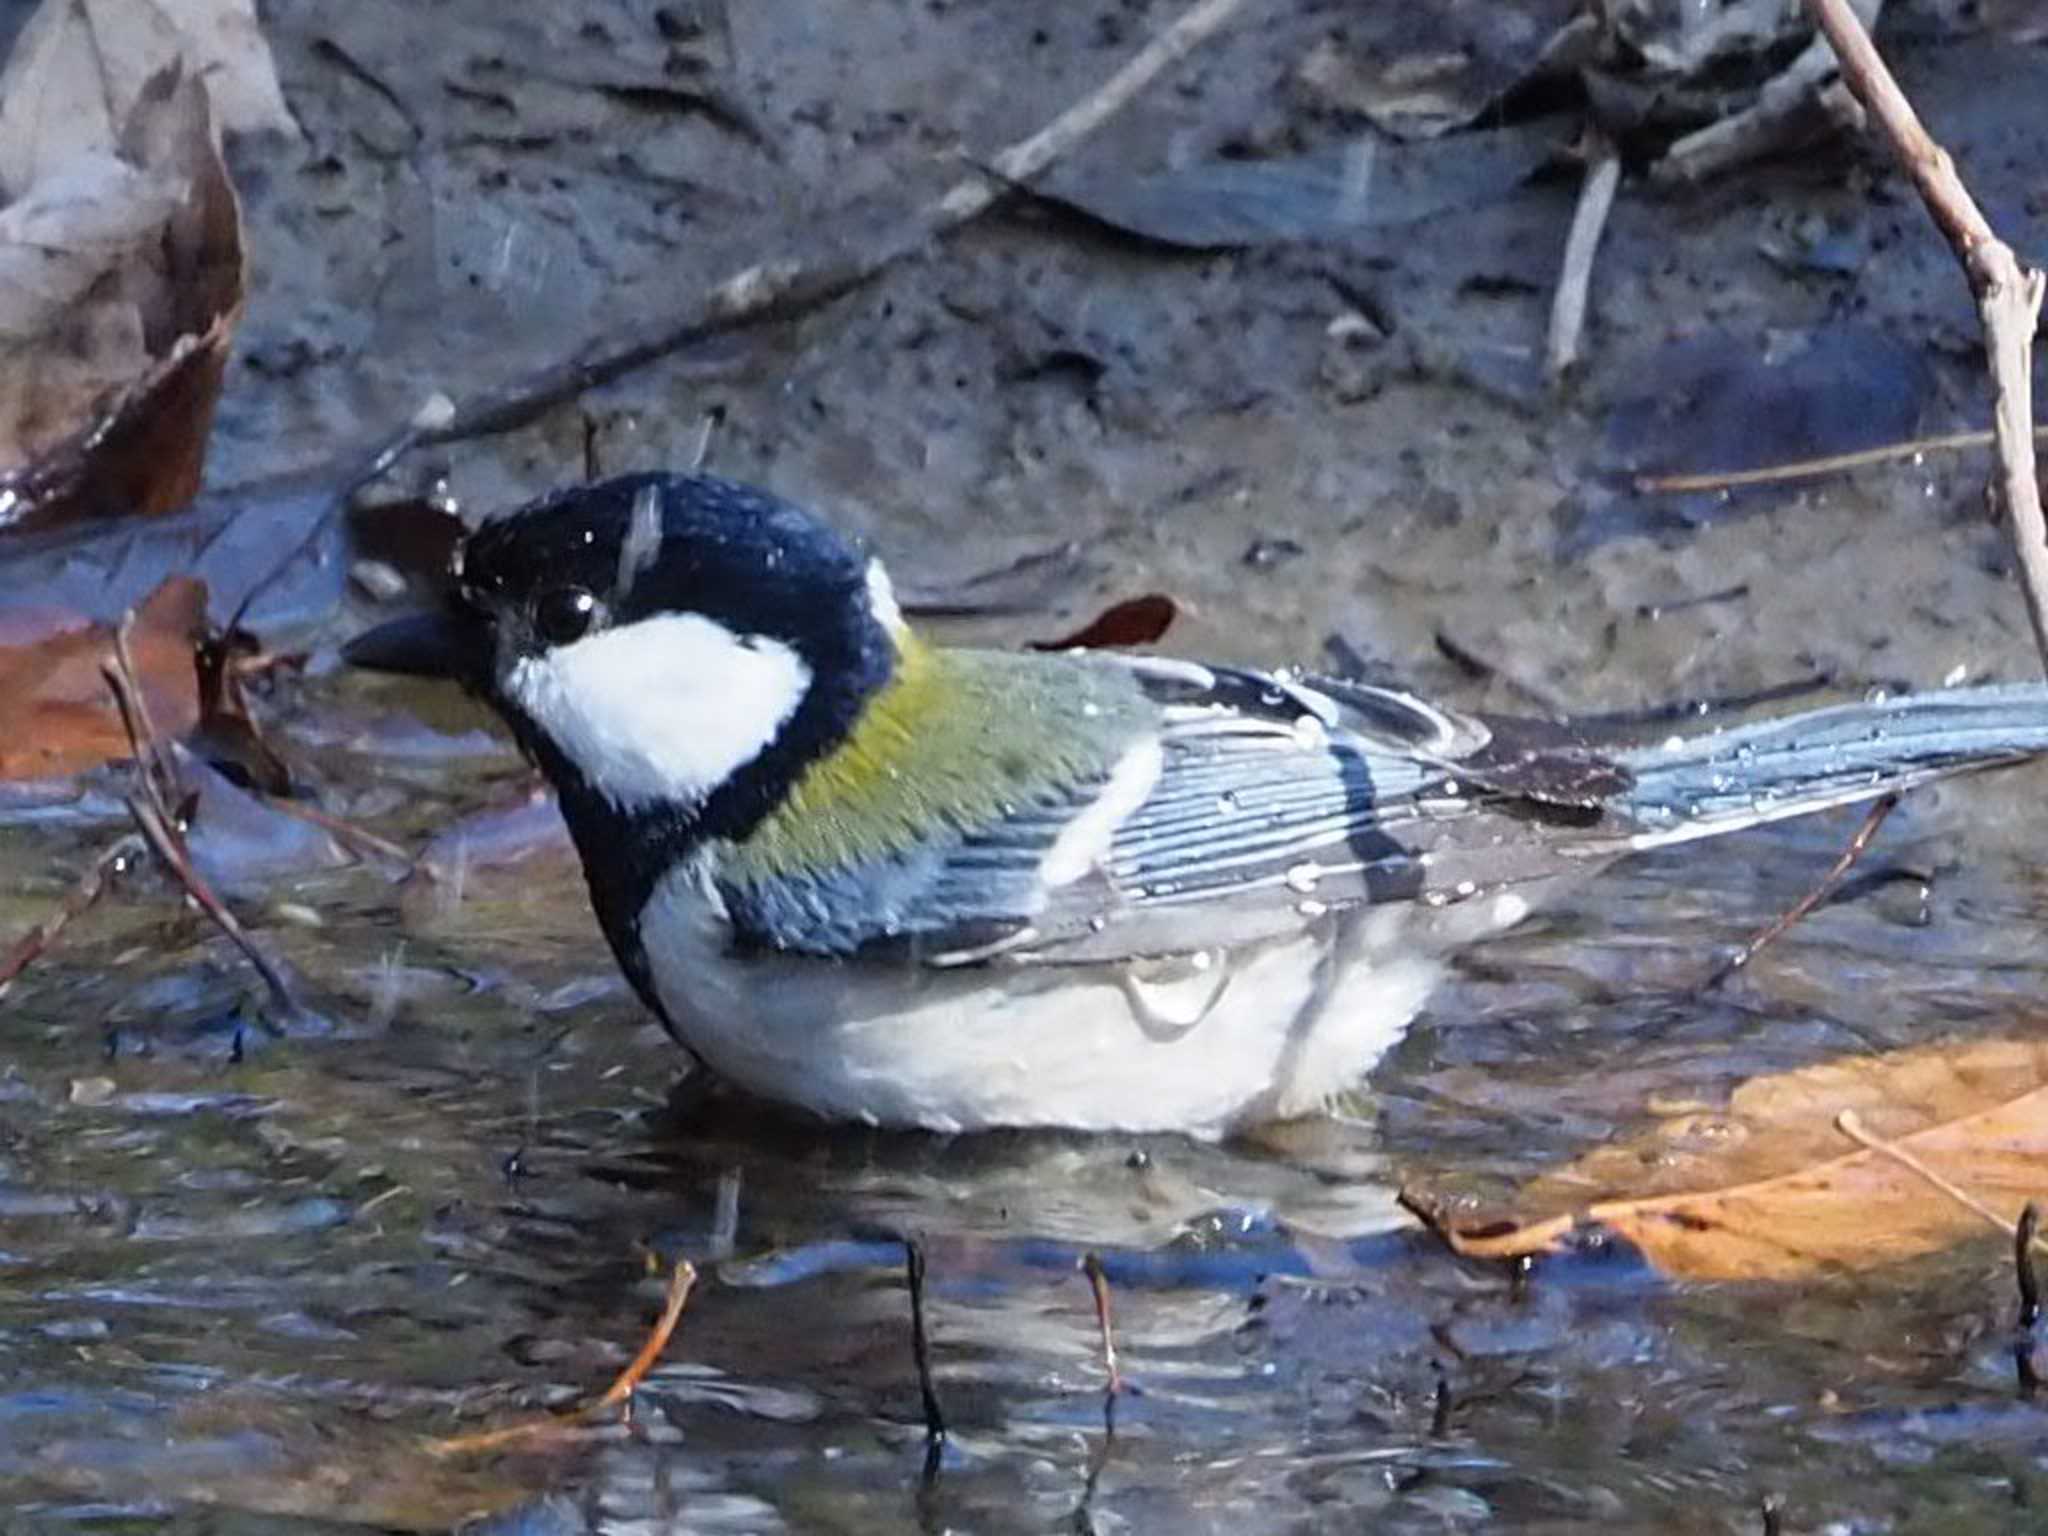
562 615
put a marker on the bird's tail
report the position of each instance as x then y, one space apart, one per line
1745 775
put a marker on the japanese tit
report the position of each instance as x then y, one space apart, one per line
919 886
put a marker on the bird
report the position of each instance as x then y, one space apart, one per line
894 882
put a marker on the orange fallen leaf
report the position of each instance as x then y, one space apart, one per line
120 273
1772 1189
56 714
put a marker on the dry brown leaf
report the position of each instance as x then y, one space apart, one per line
80 66
1772 1189
120 285
56 714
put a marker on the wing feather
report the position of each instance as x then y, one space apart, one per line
1274 802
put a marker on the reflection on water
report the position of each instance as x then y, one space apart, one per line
247 1280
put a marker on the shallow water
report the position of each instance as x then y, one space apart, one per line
251 1277
248 1280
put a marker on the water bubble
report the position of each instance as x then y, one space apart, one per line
1304 877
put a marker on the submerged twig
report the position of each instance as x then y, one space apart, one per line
163 838
359 842
2008 295
155 775
153 808
682 1279
1098 1283
2024 1231
86 890
1582 244
1859 845
1083 1518
920 1342
1852 1126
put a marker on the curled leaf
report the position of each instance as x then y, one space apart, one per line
120 286
1771 1189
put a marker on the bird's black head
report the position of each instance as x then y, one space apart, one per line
676 645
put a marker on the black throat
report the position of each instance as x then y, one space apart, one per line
627 852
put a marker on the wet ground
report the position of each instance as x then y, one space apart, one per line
247 1278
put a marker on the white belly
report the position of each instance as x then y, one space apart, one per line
1266 1032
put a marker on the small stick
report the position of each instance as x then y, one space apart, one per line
84 892
1858 846
2028 1379
2023 1234
1098 1282
1575 277
780 288
165 842
152 811
1851 1126
1809 469
356 840
154 774
1083 1520
2008 296
920 1342
680 1283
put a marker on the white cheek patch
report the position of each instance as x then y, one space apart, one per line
662 710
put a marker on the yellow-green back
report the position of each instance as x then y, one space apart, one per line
955 740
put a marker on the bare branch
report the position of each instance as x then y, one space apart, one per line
2008 296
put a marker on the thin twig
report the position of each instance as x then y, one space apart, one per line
153 772
784 287
1098 1282
2008 296
920 1342
1575 276
84 892
1813 469
1851 1126
553 1427
781 288
1858 846
2023 1234
157 820
680 1283
164 840
356 840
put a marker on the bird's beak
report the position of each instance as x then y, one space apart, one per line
431 644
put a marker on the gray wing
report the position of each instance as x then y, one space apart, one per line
1273 802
